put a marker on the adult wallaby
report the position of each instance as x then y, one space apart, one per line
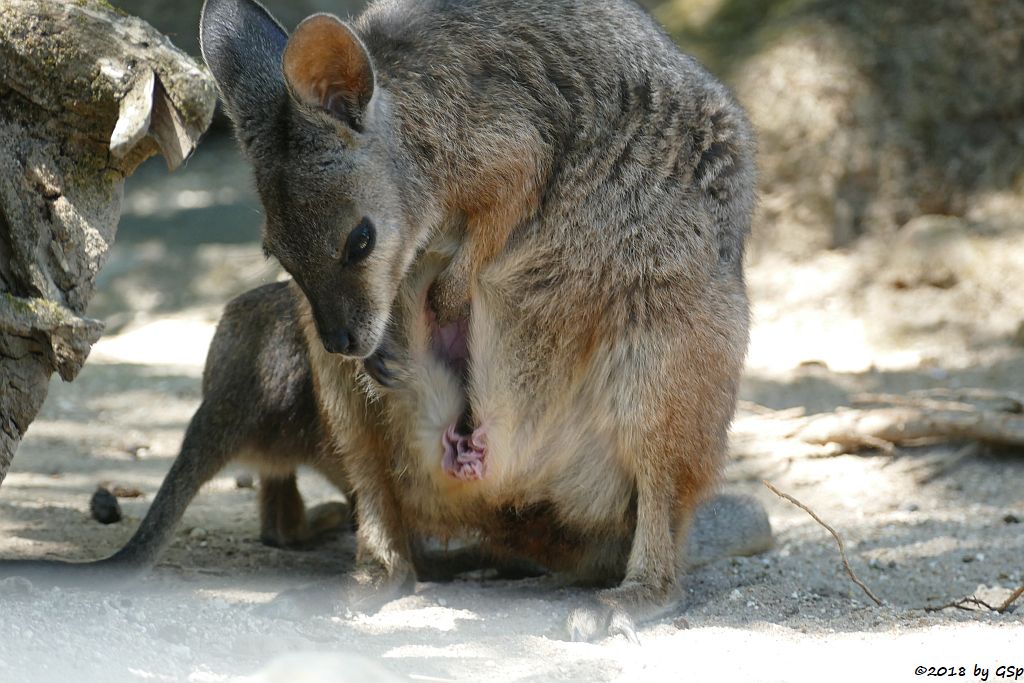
564 381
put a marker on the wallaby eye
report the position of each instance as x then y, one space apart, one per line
360 241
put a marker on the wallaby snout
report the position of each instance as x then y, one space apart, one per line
338 341
342 331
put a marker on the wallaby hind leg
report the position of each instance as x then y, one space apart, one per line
667 496
284 520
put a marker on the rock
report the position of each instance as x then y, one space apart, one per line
15 585
1011 518
930 251
869 113
728 525
244 481
104 507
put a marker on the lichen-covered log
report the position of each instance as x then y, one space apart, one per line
919 417
86 94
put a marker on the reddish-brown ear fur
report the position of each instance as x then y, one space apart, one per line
327 66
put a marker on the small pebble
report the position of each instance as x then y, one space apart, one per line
244 481
1011 518
104 507
137 450
126 492
197 534
735 595
681 623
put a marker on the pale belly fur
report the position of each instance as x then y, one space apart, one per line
567 455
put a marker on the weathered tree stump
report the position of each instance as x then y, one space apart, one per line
86 94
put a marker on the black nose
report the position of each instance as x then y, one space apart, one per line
339 341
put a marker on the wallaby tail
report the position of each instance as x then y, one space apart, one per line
208 446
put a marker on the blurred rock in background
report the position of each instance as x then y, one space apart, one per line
870 113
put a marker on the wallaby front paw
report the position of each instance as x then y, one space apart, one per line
377 366
384 365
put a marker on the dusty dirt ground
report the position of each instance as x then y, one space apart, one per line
923 526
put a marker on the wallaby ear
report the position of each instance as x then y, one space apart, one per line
242 44
326 65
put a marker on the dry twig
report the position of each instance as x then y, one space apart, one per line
1010 600
963 603
835 535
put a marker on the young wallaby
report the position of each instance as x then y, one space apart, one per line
258 407
605 184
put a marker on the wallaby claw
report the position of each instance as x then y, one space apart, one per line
378 367
598 620
622 624
583 624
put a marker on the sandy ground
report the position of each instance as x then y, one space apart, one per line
923 526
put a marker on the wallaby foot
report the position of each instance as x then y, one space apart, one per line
728 525
284 520
435 562
616 611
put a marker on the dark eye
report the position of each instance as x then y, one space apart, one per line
360 242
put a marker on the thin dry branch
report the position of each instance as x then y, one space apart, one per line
963 603
835 535
1010 600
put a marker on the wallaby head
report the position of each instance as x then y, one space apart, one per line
314 124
